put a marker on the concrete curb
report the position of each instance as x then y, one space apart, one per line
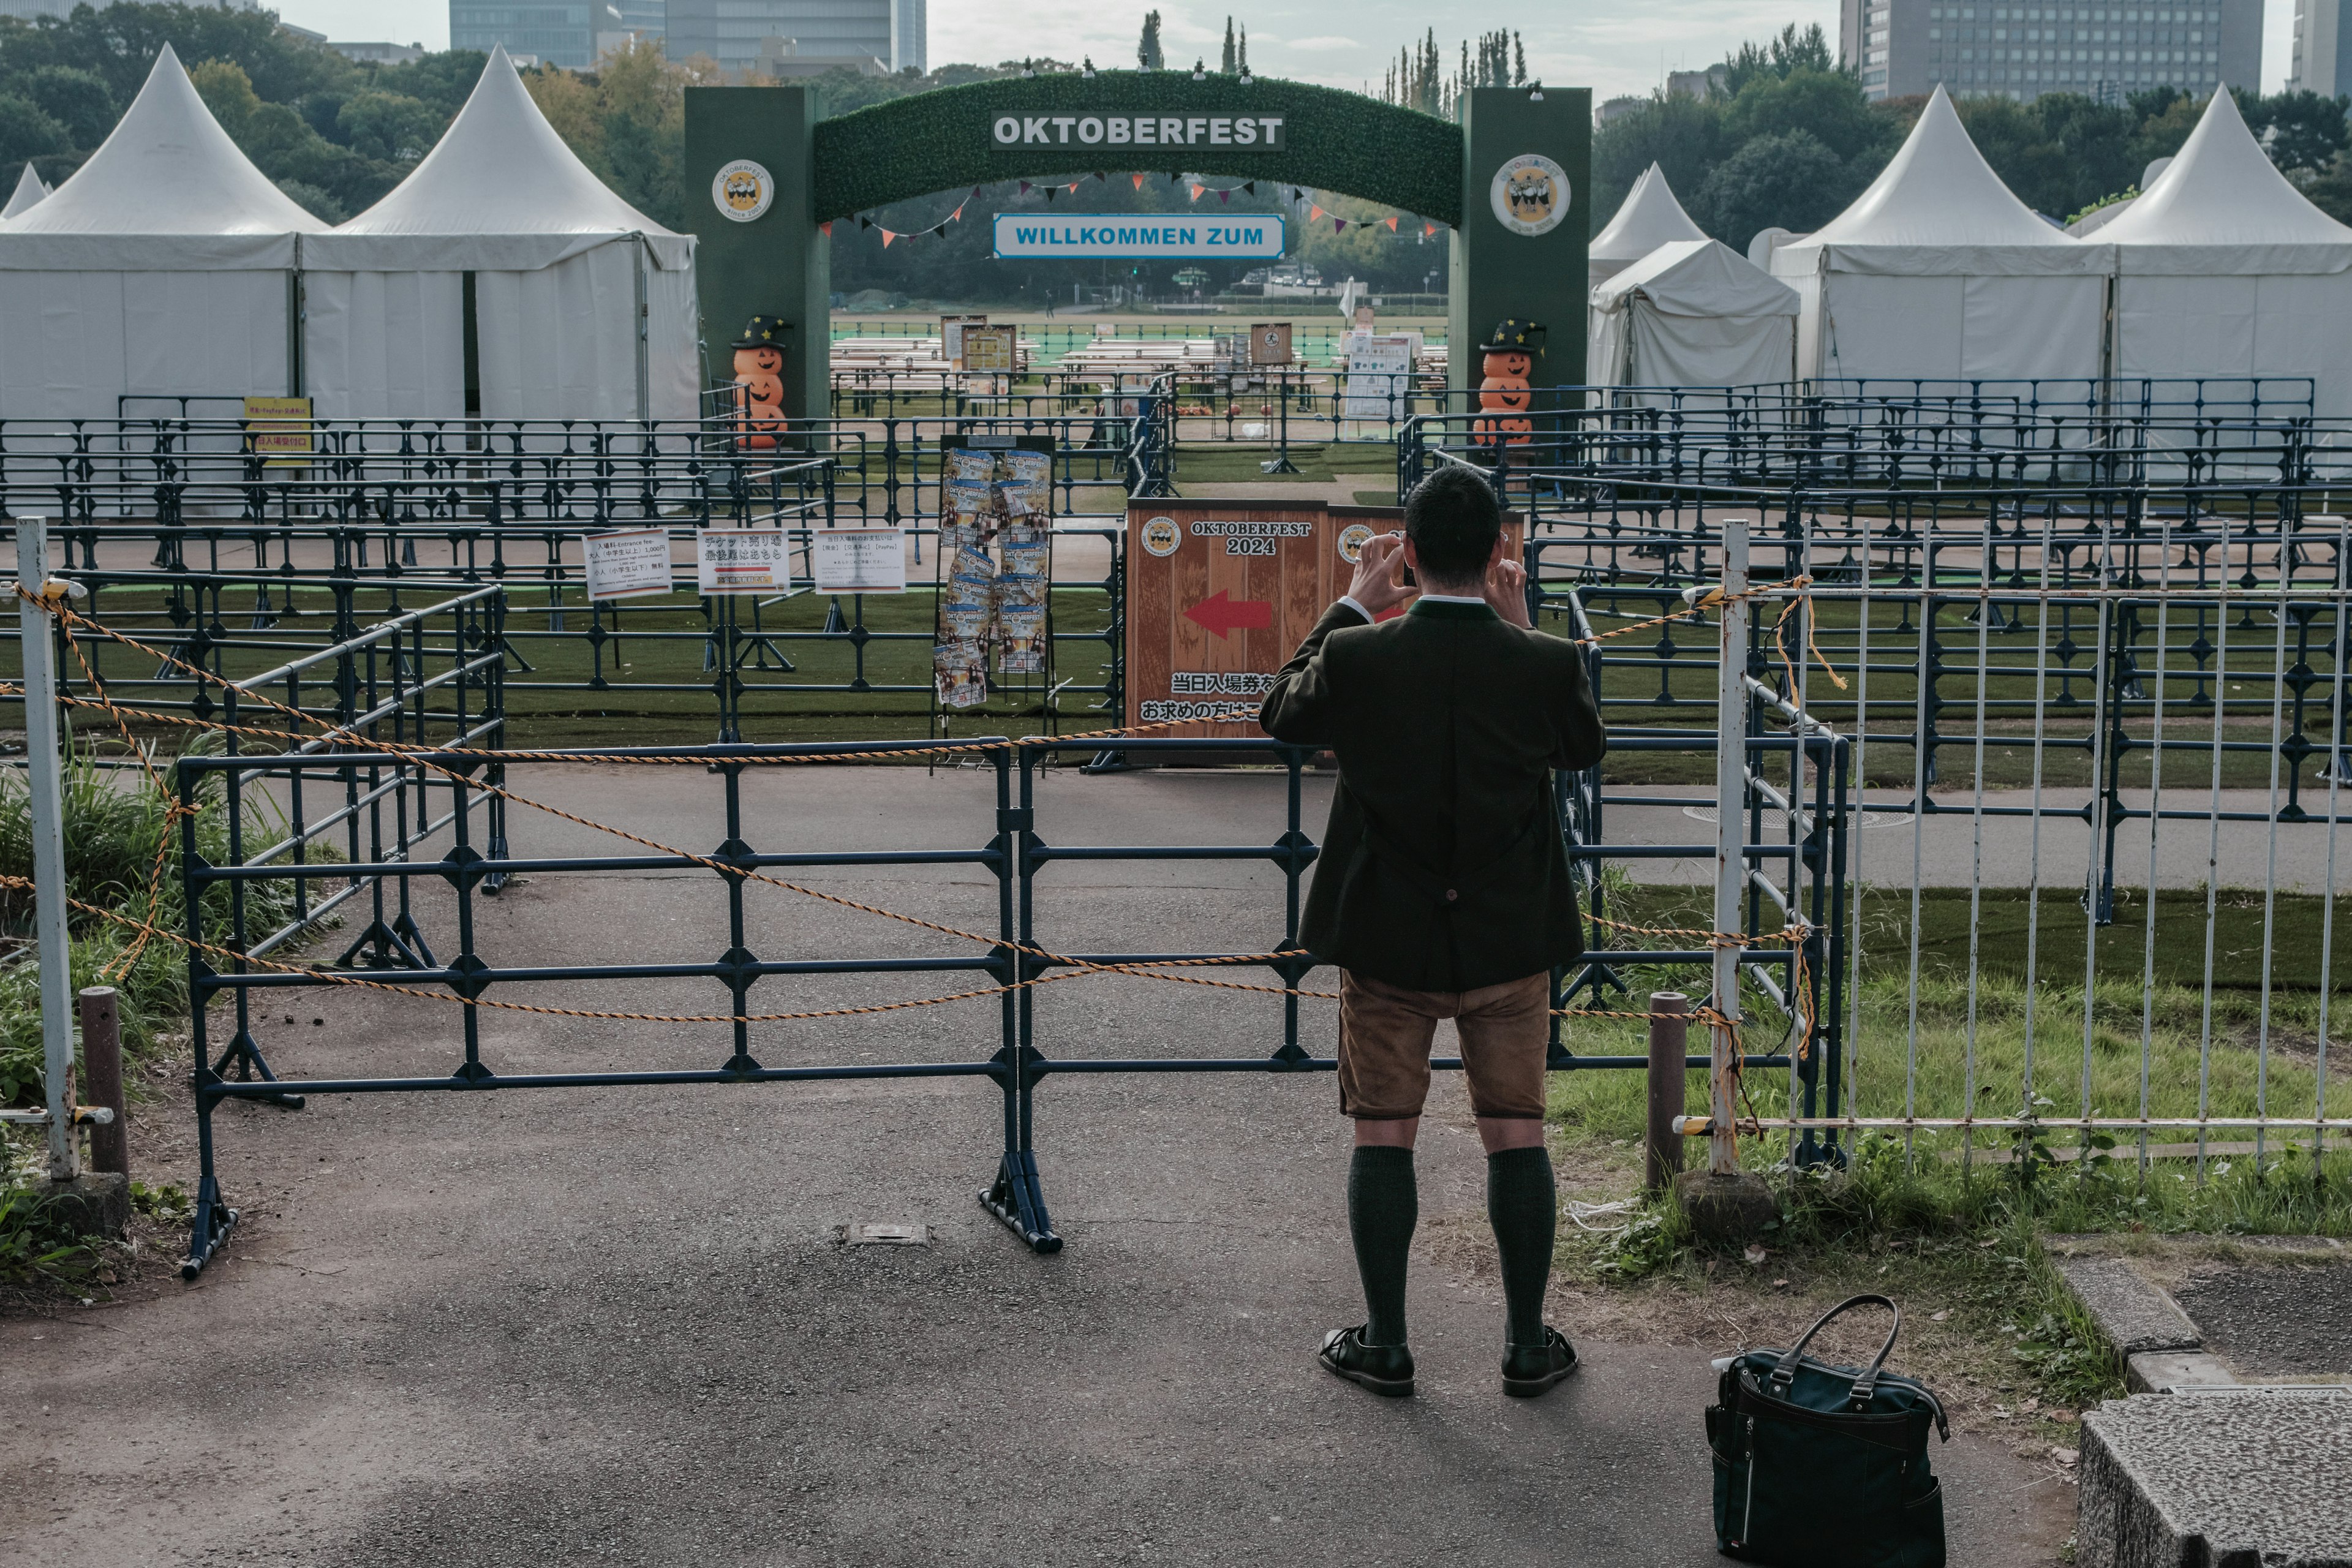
2250 1479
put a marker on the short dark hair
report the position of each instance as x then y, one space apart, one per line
1453 519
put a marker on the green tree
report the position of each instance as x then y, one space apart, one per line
1791 179
1827 105
1148 52
388 125
2298 129
1790 51
1684 136
75 99
1225 62
25 132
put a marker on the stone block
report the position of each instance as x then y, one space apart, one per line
2134 1315
1726 1208
2252 1479
95 1202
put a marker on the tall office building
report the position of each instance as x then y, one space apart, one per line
2096 47
842 31
912 22
2322 50
557 35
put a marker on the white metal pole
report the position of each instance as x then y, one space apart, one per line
49 845
1730 832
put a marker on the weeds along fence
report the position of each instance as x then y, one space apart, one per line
2096 738
191 535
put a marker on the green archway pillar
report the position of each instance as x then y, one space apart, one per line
1500 270
777 264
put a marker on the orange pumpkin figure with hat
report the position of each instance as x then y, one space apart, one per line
760 382
1507 358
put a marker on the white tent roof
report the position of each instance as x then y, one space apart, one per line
2222 207
1649 217
168 192
1699 278
1938 210
29 190
500 192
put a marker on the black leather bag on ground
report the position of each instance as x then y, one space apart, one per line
1825 1466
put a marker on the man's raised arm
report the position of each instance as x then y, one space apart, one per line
1300 707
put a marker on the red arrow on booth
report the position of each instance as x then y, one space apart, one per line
1221 614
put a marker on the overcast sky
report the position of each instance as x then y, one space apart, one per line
1615 49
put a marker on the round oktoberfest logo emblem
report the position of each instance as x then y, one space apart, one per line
1530 194
1161 537
1352 539
744 190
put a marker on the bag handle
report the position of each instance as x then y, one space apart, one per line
1866 1385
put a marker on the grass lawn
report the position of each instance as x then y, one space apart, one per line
1318 462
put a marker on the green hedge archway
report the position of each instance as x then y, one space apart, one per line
1334 141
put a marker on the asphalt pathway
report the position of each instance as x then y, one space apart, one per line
617 1325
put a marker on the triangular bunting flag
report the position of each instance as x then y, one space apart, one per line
1250 187
1071 188
1197 190
865 222
1393 222
975 191
825 228
1427 229
1053 191
941 229
1138 180
886 238
1100 175
1314 213
1338 226
1025 188
1225 198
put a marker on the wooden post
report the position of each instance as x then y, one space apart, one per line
101 1054
1669 1062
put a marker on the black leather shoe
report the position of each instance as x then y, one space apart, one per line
1530 1370
1386 1370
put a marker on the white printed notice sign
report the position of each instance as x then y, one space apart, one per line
743 561
858 560
626 563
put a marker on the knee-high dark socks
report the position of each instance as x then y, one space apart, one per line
1523 1207
1383 1205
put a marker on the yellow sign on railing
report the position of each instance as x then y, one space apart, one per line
279 428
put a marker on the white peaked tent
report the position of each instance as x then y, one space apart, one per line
162 269
2222 269
583 307
30 189
1692 313
1649 217
1938 273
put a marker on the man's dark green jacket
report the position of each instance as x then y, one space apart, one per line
1443 867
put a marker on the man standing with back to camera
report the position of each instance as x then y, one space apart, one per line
1442 891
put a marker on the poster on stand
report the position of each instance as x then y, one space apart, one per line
951 331
1021 584
742 560
960 673
990 349
1379 375
626 563
858 560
